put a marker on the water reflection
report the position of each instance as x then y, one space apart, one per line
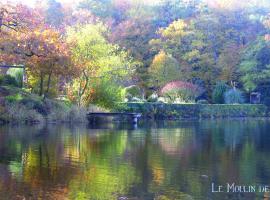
163 160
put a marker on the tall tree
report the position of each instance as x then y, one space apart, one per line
254 67
54 13
95 58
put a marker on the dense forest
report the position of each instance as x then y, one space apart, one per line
90 51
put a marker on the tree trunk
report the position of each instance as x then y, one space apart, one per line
41 85
81 92
49 84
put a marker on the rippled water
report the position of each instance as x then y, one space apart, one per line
161 161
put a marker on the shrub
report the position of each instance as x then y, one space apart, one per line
17 74
105 94
218 92
13 98
77 114
17 113
72 114
58 114
183 91
35 104
9 80
133 91
233 96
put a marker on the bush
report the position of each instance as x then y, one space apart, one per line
218 92
183 91
13 98
58 114
105 94
178 111
35 104
233 96
77 114
73 114
17 113
9 80
133 91
202 101
17 74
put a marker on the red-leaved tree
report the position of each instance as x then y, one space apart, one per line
181 91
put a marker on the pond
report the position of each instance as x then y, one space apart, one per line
157 160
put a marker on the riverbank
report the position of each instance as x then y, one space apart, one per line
196 111
18 106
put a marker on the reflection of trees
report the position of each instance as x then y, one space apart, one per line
226 151
56 163
164 163
102 178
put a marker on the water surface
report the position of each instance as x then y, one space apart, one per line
161 161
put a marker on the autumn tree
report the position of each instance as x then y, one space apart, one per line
54 15
48 59
37 46
95 59
207 47
163 69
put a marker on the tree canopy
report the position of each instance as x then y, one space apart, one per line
137 43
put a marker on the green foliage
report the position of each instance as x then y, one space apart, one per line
13 98
133 91
97 59
164 68
206 46
100 8
1 79
234 96
171 40
254 67
219 91
179 111
8 80
37 105
106 94
17 74
96 54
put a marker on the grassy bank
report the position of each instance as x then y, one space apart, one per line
19 106
179 111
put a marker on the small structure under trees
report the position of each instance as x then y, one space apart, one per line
5 68
255 98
